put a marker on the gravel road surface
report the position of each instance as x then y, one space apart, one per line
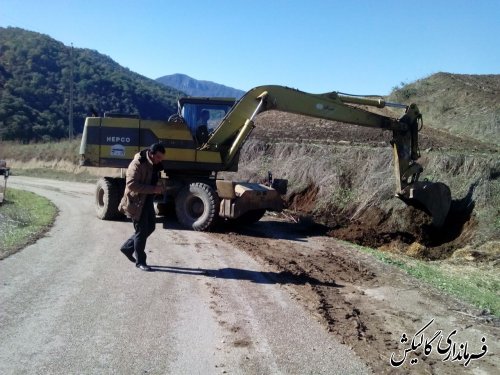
72 303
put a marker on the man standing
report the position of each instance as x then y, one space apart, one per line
143 174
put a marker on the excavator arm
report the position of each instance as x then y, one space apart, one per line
230 135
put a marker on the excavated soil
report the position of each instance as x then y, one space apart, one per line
367 304
375 227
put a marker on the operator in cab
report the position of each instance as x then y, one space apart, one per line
202 127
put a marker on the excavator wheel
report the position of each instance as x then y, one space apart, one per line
197 206
108 193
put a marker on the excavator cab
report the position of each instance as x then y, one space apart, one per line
204 115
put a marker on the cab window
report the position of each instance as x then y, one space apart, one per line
210 115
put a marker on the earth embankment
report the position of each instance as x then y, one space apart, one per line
341 176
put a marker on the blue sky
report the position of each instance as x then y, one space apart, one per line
360 47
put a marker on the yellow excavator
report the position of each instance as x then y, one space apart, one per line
205 137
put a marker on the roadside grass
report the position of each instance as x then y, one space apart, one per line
55 174
478 286
47 151
52 160
24 218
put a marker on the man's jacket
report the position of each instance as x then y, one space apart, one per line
141 175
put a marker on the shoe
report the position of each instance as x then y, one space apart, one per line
128 255
144 267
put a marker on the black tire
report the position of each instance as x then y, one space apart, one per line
249 217
108 194
197 206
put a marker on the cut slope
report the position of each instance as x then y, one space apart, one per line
463 104
341 175
276 126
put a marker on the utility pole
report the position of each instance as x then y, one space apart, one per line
70 130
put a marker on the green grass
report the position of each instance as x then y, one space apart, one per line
24 217
478 286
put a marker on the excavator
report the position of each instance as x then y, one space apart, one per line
206 136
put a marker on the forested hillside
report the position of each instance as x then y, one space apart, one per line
35 74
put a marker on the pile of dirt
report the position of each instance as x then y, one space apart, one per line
354 297
375 228
385 226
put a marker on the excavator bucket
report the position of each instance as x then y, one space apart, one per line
434 198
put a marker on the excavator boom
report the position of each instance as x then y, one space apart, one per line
228 138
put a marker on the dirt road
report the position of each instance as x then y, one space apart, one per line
372 306
72 303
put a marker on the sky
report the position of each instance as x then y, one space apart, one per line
354 46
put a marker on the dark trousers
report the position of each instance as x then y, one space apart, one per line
143 229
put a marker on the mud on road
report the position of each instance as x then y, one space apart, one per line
367 304
340 176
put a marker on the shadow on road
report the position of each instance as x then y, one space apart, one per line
283 277
271 229
282 230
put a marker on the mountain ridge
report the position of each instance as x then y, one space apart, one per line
195 87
